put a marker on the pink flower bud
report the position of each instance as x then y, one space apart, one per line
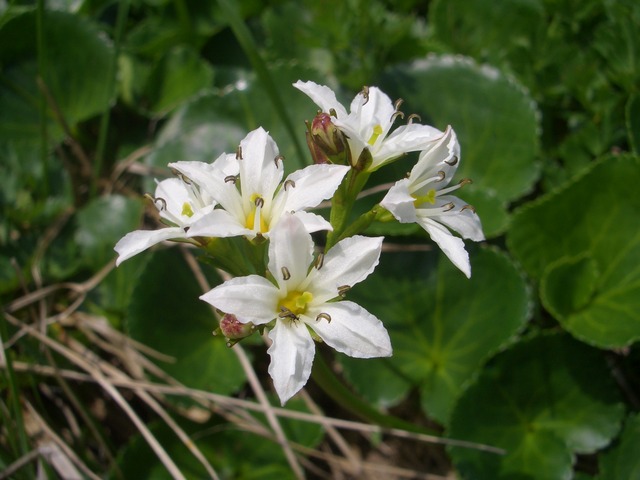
233 329
326 142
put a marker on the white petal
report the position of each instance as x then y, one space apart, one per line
313 184
453 247
218 223
347 263
375 110
135 242
322 96
290 252
352 330
312 222
250 299
466 222
292 350
439 158
171 194
406 138
259 172
399 202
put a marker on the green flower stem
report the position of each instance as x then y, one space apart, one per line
377 213
331 385
342 204
237 255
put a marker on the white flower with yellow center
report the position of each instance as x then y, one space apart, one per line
181 204
424 198
368 124
303 302
252 198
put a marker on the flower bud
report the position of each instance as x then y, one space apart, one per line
233 329
326 142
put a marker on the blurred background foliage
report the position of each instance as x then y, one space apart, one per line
536 354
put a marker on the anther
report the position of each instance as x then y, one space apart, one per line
259 202
397 104
239 153
441 176
465 181
319 261
156 200
230 179
468 207
365 94
288 183
279 158
447 206
453 161
185 179
325 316
396 114
412 117
286 275
286 313
343 289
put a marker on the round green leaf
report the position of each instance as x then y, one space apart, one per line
594 217
622 461
101 223
167 315
542 401
442 326
77 61
495 119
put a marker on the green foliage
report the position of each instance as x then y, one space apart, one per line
543 96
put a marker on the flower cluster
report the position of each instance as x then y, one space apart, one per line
257 226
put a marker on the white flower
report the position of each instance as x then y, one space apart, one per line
423 198
254 197
181 204
303 299
369 122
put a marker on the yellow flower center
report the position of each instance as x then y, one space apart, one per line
187 210
295 302
256 211
377 131
430 197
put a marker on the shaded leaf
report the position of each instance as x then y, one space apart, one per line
622 460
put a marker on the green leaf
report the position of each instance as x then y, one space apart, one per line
101 223
443 326
543 401
622 460
179 75
594 218
167 315
77 60
495 119
633 123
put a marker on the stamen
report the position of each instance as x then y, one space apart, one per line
286 313
365 93
441 176
460 184
286 275
278 158
326 316
259 201
453 160
411 117
289 183
319 261
396 115
468 207
239 153
343 289
231 179
157 199
182 177
397 104
447 207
